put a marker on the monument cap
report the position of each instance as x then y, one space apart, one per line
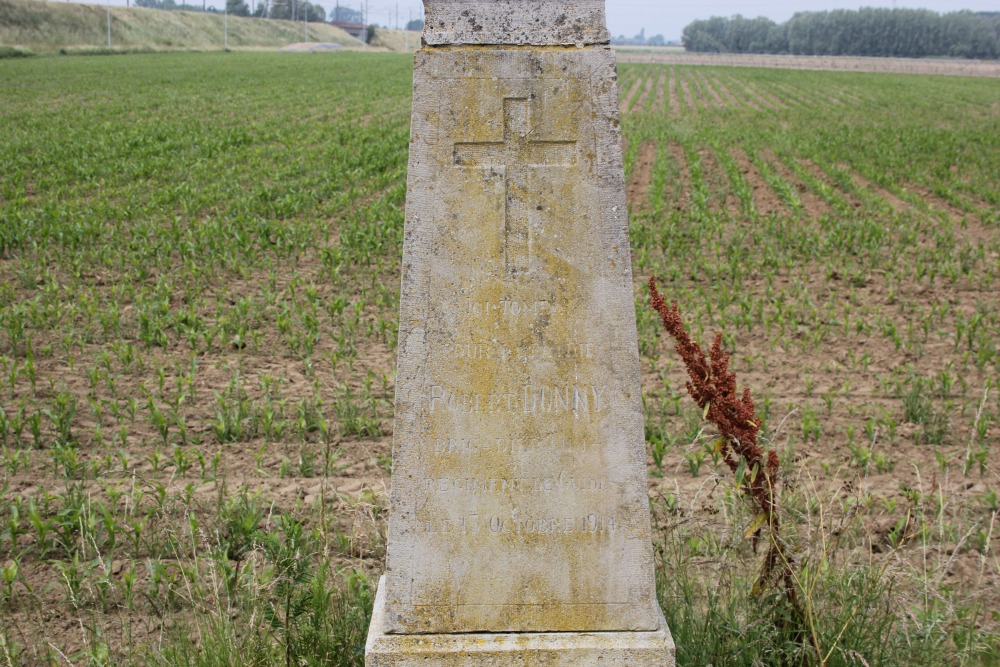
515 22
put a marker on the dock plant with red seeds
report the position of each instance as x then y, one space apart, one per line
713 387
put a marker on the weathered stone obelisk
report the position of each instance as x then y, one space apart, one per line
519 528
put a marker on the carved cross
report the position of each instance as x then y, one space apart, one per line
512 158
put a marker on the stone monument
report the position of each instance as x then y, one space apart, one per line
519 527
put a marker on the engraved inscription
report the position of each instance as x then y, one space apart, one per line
577 400
442 446
511 158
481 349
562 483
592 523
508 307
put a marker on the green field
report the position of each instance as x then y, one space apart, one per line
199 281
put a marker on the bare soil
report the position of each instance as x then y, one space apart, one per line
688 97
637 190
660 91
895 202
711 91
743 95
723 197
677 156
675 104
793 98
816 172
626 102
641 104
812 204
718 85
763 100
766 200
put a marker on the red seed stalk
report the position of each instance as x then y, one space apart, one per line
713 388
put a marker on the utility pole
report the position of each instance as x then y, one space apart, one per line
225 27
108 7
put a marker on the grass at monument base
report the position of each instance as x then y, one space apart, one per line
199 273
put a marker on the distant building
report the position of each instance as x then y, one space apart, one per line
356 30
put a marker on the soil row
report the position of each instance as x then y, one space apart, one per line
774 186
685 91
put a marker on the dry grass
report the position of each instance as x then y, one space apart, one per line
50 26
397 40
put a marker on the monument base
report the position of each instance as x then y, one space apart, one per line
520 649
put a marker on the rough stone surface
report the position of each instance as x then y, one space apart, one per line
548 649
515 22
519 504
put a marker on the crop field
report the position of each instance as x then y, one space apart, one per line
199 283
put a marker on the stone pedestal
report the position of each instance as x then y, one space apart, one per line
530 649
519 527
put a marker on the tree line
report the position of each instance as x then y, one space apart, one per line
903 33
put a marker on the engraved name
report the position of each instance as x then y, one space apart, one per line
562 483
592 523
507 307
529 399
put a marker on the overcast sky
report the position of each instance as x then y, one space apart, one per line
664 17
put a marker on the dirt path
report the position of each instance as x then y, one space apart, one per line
827 63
